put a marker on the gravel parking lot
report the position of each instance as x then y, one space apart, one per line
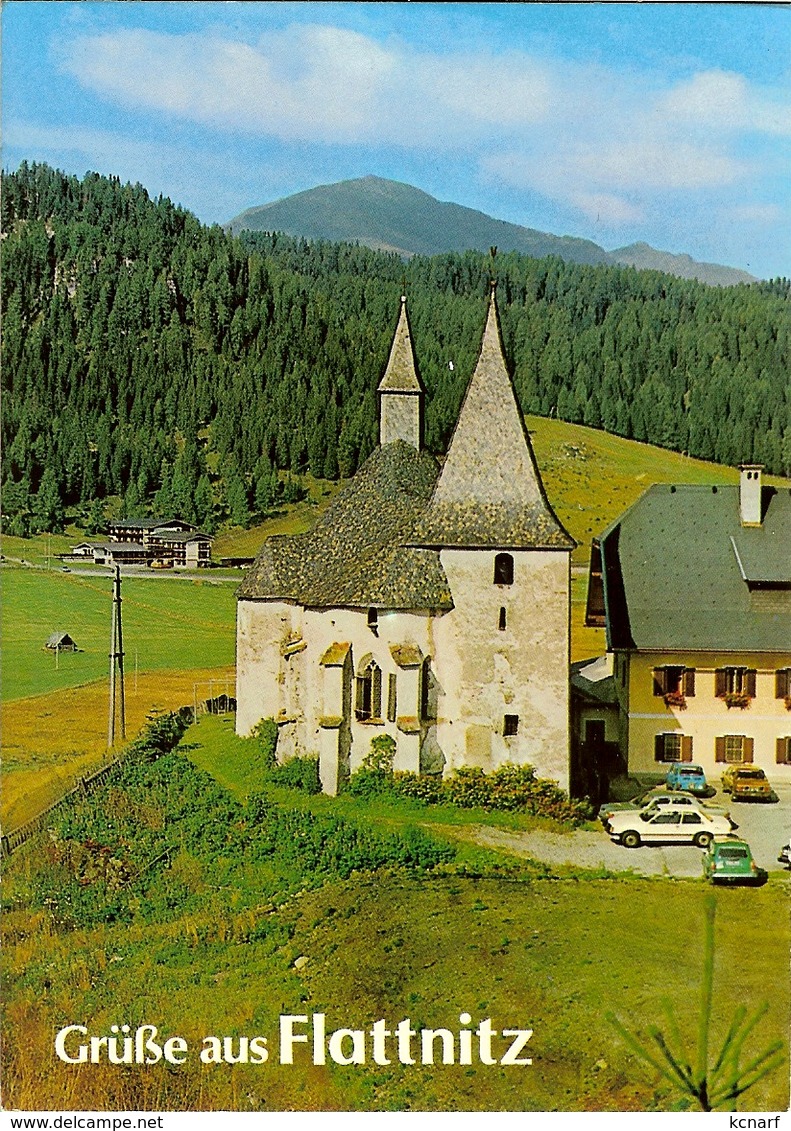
766 827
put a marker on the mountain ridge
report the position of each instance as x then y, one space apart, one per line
397 217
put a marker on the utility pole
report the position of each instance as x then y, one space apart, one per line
116 662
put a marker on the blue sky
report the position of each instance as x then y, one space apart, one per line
669 123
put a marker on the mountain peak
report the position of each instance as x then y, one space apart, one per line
395 216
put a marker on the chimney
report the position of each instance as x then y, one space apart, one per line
750 494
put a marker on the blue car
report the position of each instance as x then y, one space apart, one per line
687 777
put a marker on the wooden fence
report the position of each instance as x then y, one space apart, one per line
84 788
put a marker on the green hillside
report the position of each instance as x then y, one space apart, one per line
172 368
590 477
168 899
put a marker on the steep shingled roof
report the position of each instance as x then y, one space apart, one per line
673 580
401 375
490 493
357 553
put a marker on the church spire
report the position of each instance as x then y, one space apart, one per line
401 391
489 493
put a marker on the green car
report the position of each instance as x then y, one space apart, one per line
728 860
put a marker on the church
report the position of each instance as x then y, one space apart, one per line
430 603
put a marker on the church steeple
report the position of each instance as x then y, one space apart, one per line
401 391
489 493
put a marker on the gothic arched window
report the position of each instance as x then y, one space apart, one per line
368 699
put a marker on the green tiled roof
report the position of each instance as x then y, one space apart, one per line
673 580
357 553
490 493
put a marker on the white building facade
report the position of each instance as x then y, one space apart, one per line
431 605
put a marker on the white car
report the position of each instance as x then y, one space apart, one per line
669 824
659 801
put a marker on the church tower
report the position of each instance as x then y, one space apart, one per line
503 649
401 391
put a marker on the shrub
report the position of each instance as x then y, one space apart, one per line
419 787
265 733
297 773
375 775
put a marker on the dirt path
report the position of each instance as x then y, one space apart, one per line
584 849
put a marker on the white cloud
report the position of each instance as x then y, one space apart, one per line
726 101
752 214
606 208
602 141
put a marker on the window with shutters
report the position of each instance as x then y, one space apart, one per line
503 569
783 685
675 684
673 747
733 748
784 750
368 700
735 681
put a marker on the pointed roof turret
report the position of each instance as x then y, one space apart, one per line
401 374
489 493
401 391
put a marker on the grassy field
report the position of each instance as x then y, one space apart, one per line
54 708
168 625
49 741
207 942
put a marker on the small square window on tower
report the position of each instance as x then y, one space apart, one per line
510 725
503 569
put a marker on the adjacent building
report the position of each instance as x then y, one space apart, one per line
428 604
148 541
693 585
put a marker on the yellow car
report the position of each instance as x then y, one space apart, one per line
746 782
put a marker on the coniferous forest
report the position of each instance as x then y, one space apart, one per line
149 357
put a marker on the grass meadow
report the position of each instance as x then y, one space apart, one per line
54 708
205 941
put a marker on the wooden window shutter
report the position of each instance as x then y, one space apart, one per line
719 749
720 686
782 683
748 746
783 751
660 681
749 682
686 748
659 748
689 683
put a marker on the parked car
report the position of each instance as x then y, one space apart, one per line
785 855
652 804
746 782
669 824
729 860
687 777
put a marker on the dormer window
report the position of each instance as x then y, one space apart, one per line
503 569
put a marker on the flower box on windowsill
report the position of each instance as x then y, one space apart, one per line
788 702
738 699
676 699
